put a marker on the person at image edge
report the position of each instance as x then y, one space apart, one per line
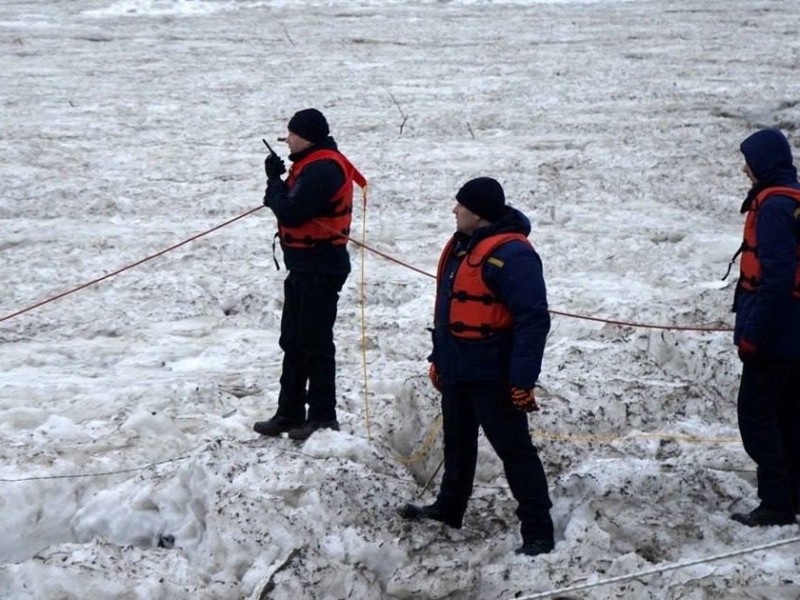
314 208
490 325
767 330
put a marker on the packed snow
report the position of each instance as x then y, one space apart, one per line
129 466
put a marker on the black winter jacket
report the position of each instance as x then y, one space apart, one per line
306 199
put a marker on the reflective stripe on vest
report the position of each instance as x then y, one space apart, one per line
334 225
750 265
475 311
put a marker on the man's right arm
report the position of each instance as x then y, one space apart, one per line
308 195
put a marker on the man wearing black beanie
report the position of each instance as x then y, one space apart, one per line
313 206
490 325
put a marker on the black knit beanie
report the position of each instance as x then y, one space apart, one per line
484 196
309 124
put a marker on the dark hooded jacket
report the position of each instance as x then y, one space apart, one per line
510 357
306 199
769 317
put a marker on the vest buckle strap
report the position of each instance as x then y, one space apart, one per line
462 296
484 329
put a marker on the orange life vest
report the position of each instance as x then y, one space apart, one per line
334 225
750 265
475 311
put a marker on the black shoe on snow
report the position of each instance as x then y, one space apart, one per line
764 517
304 431
413 512
275 426
535 547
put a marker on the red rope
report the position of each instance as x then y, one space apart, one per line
125 268
366 247
384 255
558 312
641 325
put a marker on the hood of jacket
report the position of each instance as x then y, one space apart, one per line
769 157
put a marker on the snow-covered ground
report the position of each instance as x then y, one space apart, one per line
129 468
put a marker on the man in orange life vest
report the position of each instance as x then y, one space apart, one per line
767 332
314 208
490 325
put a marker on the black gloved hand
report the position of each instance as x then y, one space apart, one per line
274 166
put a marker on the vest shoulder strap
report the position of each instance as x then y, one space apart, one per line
340 159
790 192
483 250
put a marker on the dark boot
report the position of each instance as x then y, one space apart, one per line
764 517
304 431
535 547
413 512
275 426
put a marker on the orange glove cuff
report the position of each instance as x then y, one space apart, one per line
434 377
524 399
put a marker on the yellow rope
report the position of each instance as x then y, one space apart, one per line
427 444
430 439
566 437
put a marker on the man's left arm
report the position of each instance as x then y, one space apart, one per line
777 253
520 284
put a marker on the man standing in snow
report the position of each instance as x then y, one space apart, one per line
767 333
314 208
490 325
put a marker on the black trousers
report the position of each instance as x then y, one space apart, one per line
309 359
465 407
769 422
